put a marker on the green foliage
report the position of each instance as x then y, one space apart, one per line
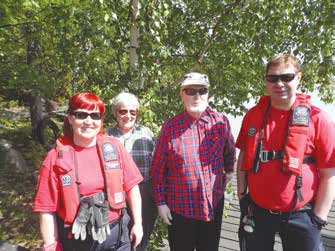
84 45
56 48
159 236
18 224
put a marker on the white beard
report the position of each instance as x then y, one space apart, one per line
197 109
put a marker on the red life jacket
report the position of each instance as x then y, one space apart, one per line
65 167
296 136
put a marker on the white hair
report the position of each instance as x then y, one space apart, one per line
123 98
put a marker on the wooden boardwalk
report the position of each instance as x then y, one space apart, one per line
229 239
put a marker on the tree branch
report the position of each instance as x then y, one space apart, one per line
18 24
209 43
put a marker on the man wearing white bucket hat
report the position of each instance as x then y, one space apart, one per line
193 161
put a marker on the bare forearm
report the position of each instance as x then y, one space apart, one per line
241 177
326 193
135 203
48 227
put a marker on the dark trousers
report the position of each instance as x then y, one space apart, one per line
149 213
297 231
187 234
112 243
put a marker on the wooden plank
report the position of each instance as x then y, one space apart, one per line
226 244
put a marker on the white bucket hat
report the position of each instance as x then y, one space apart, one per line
195 78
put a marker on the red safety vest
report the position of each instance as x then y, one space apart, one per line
65 167
296 136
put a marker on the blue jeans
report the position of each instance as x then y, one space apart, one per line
114 242
297 231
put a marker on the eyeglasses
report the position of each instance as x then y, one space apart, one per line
84 115
194 91
283 77
123 112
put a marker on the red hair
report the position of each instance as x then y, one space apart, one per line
87 101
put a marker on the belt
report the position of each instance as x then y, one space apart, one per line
266 156
115 222
306 207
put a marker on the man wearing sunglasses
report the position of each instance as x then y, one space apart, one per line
286 166
193 161
139 142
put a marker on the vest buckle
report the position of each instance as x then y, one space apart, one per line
263 155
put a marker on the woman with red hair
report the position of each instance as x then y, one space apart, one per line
84 183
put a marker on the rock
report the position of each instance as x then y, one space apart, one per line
5 246
11 157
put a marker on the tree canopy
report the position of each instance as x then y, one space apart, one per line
58 47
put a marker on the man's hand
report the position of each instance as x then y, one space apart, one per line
136 235
244 202
165 213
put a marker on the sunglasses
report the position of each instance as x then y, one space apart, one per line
283 77
84 115
194 91
123 112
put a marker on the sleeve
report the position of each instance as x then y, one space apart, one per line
47 195
325 141
159 167
131 174
229 151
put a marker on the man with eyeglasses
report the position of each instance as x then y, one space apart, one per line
193 161
139 142
286 166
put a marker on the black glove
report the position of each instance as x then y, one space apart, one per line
100 219
244 204
83 216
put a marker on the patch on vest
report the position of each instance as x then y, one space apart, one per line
113 165
109 152
66 180
301 115
293 162
252 131
118 197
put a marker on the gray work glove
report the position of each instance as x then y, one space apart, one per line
83 216
100 219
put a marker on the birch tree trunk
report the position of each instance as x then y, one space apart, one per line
134 44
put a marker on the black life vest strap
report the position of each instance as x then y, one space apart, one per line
256 164
266 156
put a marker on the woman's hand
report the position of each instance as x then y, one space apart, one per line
136 235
